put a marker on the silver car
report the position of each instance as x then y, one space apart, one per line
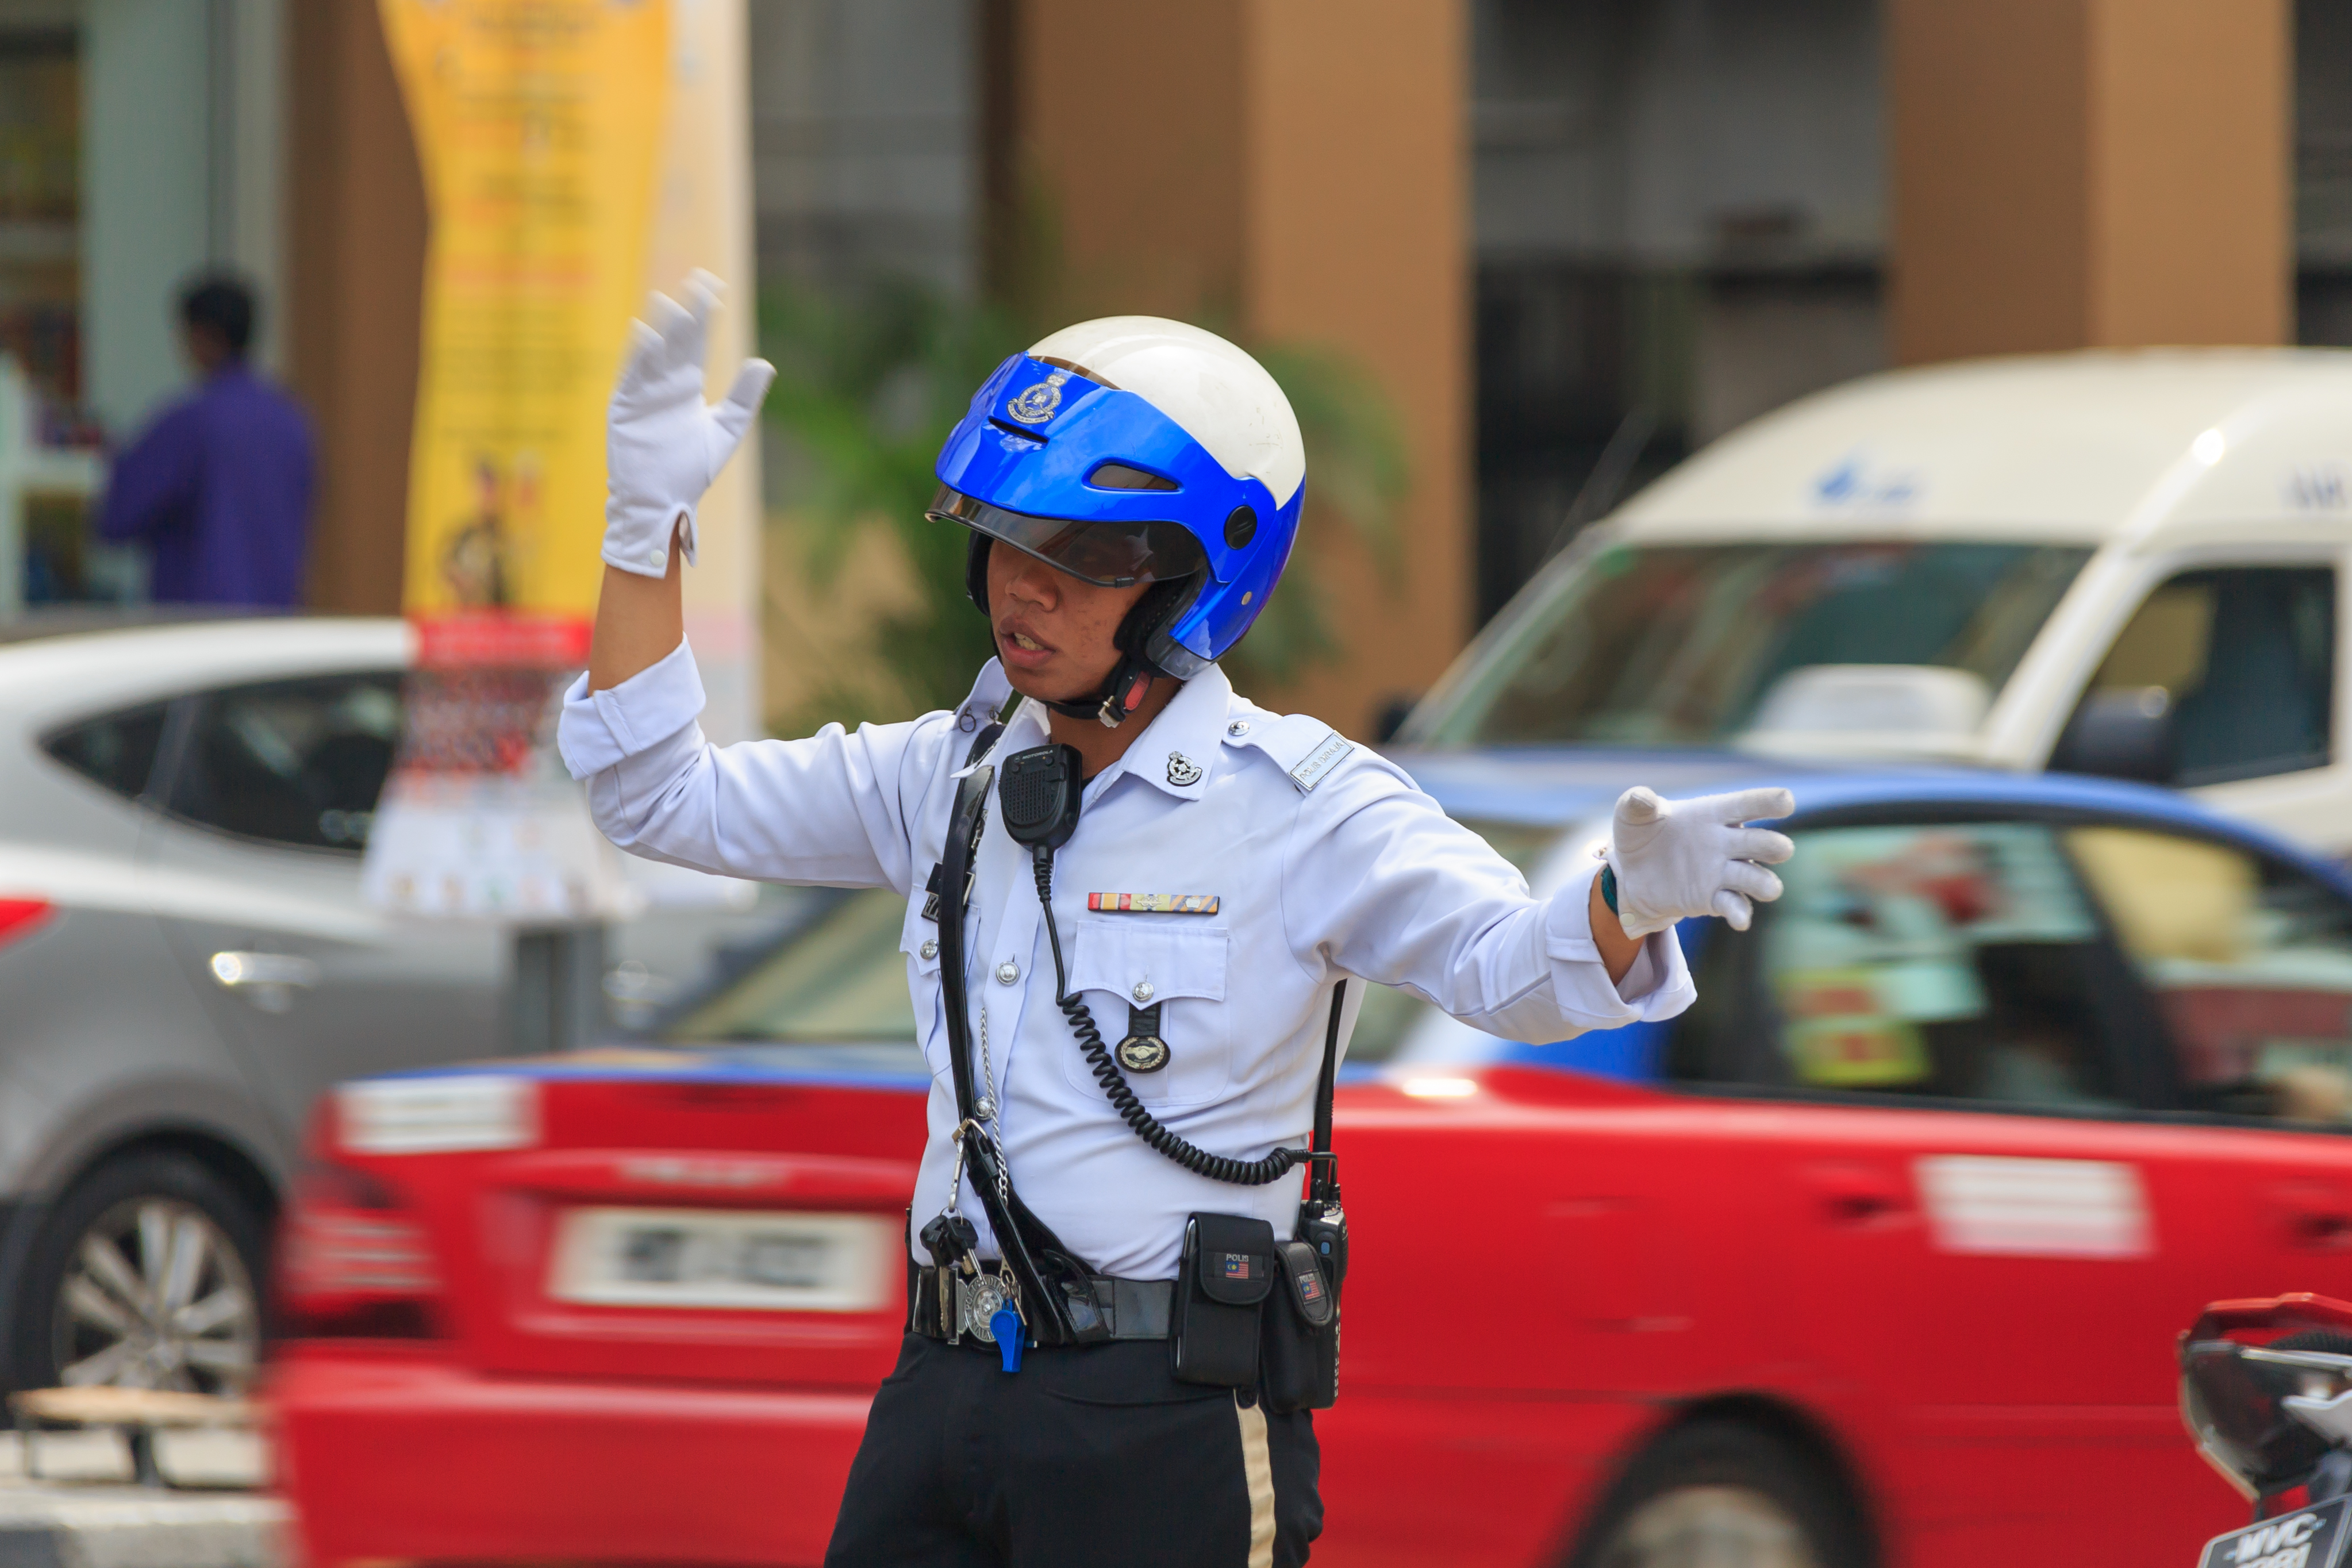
184 963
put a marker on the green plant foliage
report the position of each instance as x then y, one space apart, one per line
869 383
867 389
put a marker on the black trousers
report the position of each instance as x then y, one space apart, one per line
1093 1455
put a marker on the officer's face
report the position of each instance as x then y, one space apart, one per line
1052 631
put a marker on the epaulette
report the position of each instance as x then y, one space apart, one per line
1302 747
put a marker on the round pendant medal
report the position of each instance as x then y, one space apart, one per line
980 1297
1143 1053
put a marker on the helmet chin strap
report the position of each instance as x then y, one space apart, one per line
1130 681
1110 703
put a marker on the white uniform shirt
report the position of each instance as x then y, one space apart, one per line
1325 862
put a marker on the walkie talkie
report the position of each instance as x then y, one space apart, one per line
1038 795
1322 1222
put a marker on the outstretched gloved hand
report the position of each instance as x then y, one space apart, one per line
1676 860
663 445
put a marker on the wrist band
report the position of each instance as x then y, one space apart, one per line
1609 887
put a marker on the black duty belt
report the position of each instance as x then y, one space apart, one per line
1131 1308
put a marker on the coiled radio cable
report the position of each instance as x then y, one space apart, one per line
1121 1094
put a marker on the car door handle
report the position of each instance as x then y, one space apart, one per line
2315 1216
267 980
1856 1194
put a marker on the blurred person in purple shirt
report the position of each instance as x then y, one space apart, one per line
218 487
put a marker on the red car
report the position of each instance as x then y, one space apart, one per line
1875 1256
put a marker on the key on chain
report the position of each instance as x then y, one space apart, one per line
958 1238
952 1239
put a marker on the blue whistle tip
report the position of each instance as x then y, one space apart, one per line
1007 1326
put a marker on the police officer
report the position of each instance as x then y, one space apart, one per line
1225 881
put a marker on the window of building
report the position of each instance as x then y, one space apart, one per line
2250 962
41 104
2244 658
290 762
40 210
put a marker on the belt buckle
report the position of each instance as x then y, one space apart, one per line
979 1297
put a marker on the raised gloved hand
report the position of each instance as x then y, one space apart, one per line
663 445
1676 860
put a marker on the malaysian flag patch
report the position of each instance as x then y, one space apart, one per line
1238 1265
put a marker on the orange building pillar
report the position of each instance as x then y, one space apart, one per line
1297 171
2089 173
356 245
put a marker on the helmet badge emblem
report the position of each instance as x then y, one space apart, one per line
1039 403
1182 771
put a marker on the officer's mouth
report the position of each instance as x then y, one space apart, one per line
1020 649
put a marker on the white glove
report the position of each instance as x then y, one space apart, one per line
663 445
1677 859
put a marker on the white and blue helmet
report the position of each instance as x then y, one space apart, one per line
1135 450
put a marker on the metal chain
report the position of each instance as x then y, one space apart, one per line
955 1177
988 1123
984 1120
990 1111
986 1110
988 1120
991 1117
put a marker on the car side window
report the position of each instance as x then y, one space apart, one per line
1946 961
289 762
116 750
2250 962
2232 672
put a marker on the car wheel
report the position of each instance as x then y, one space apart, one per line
146 1275
1718 1494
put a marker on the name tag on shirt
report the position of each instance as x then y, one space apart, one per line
1153 903
931 891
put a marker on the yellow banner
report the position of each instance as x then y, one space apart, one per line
538 123
704 219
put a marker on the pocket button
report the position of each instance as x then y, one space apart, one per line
1143 991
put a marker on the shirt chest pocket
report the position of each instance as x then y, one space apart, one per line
918 939
1126 966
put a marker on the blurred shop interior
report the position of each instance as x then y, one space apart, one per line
1676 218
140 141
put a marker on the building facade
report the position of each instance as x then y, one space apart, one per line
1569 240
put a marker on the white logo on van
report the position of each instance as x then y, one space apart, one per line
2283 1544
2320 487
1855 482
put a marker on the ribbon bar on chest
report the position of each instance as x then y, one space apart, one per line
1153 903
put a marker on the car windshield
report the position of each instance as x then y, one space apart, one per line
1680 645
838 979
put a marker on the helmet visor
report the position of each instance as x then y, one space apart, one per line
1108 555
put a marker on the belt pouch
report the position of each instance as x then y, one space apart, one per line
1302 1334
1228 1272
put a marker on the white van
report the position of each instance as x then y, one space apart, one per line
2124 564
